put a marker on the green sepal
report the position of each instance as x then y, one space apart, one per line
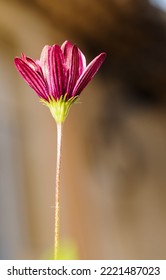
59 108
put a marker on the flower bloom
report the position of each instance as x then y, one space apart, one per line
59 76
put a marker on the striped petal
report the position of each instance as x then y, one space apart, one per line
44 61
34 80
31 63
82 62
73 71
67 49
52 64
88 74
75 63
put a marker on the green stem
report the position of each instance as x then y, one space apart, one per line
57 191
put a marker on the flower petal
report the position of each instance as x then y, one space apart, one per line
88 74
52 64
31 63
82 62
34 80
44 61
73 71
67 49
75 63
59 73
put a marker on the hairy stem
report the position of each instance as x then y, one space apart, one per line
57 190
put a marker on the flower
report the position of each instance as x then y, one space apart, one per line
59 76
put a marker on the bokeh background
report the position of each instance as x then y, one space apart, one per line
113 191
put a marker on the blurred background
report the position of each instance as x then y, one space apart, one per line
113 191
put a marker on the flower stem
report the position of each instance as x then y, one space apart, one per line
57 190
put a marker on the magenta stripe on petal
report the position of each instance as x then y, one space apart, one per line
31 63
75 63
67 49
88 74
82 62
32 78
57 71
46 65
43 62
73 71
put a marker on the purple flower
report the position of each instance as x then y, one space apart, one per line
59 76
